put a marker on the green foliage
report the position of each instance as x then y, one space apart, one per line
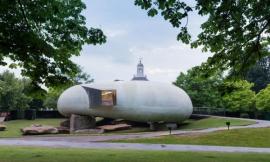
36 103
41 36
263 99
259 74
12 95
81 77
237 95
202 91
52 96
215 91
236 32
55 91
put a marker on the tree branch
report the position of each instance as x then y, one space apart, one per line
186 21
262 30
23 13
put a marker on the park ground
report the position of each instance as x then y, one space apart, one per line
247 137
38 154
14 126
253 137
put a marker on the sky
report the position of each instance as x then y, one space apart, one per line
131 35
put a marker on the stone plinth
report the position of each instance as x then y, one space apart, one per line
79 122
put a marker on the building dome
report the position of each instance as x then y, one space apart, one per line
140 72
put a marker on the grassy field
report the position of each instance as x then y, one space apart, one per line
14 126
212 122
35 154
192 124
256 137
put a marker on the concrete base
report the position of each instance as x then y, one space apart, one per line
79 122
153 126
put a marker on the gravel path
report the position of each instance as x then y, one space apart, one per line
130 146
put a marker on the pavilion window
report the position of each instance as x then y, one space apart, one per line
108 97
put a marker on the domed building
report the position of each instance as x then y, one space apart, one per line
140 72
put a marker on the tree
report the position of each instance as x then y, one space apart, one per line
55 91
52 96
41 36
263 99
36 103
259 74
12 94
202 91
236 32
81 77
237 95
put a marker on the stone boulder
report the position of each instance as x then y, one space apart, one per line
63 130
89 131
2 127
115 127
39 129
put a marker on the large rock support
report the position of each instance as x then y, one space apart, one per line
2 127
37 129
108 128
79 122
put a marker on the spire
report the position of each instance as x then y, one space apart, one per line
140 72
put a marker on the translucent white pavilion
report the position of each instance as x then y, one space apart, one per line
132 100
136 100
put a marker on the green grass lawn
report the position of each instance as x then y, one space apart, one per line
14 126
213 122
256 137
36 154
192 124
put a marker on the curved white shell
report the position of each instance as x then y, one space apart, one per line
144 101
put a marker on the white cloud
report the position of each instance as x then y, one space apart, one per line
162 62
158 71
113 33
105 68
